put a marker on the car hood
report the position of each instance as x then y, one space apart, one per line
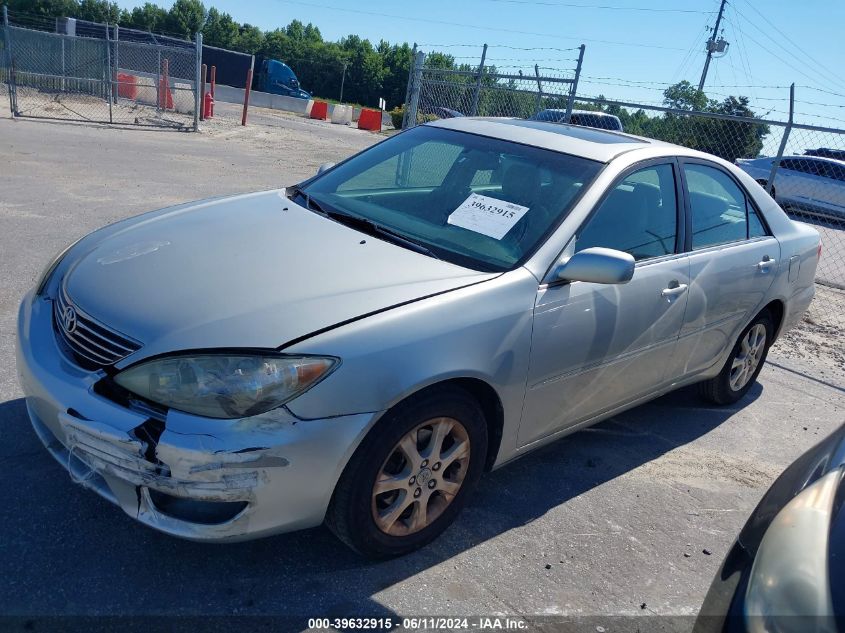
249 271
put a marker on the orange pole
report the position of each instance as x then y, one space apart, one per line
203 75
246 94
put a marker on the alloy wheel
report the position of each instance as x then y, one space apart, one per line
421 476
745 363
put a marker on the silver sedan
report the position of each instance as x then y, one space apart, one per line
358 349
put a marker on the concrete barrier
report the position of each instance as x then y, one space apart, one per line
183 97
228 94
341 114
146 92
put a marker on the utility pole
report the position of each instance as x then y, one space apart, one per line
713 46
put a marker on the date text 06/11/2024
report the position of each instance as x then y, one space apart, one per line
483 623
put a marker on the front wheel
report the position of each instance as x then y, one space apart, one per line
411 475
744 363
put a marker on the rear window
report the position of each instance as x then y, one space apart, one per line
595 120
550 115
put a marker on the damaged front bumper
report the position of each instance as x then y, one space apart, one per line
193 477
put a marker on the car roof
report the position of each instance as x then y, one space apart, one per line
594 112
809 157
591 143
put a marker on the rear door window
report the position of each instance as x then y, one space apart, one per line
721 212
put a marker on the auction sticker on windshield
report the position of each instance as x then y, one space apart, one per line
488 216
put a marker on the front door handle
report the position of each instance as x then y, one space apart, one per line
673 290
763 265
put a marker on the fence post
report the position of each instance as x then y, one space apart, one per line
203 76
414 100
63 64
408 87
116 93
248 88
574 87
10 74
197 96
474 110
539 89
776 162
158 82
108 74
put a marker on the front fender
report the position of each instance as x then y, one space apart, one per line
481 331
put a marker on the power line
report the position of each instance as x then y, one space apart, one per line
513 48
787 38
781 59
743 53
682 67
556 36
825 77
573 5
829 92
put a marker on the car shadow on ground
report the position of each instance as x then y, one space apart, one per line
74 553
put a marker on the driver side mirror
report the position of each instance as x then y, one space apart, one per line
324 167
597 265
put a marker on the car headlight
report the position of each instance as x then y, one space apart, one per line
224 385
44 277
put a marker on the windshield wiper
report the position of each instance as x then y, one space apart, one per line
368 226
310 203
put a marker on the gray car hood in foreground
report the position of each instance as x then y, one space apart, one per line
249 271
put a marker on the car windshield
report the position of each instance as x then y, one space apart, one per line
478 202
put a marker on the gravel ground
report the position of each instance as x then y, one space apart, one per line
820 340
611 521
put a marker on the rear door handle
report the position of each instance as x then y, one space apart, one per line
673 291
765 263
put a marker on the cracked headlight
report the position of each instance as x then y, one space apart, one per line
224 385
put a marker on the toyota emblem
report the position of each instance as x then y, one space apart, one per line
69 319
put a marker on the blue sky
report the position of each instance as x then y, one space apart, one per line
638 45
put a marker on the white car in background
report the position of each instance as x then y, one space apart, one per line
812 184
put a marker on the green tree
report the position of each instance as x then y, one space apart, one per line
44 8
220 30
101 11
148 17
186 17
250 39
735 139
684 96
312 34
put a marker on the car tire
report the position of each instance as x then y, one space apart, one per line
421 486
742 367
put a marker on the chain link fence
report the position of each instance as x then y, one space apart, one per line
801 166
59 76
436 92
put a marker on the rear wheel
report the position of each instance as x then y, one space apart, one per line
744 363
412 474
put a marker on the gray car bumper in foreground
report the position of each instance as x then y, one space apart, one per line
187 476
